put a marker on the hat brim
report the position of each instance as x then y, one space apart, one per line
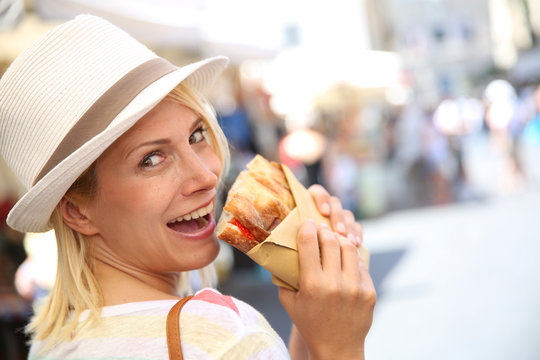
33 211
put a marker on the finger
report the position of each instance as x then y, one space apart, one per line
367 283
330 250
356 270
348 217
359 233
322 199
308 251
363 263
350 263
336 216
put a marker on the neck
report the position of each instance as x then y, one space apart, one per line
122 283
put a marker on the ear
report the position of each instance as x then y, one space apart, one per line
75 218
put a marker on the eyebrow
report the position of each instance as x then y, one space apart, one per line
165 141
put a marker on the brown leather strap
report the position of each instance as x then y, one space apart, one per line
173 330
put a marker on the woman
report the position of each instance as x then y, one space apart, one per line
122 157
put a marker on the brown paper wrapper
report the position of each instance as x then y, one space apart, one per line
278 253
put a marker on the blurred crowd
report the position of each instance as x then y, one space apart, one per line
14 308
378 157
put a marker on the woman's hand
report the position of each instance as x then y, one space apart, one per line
333 308
342 221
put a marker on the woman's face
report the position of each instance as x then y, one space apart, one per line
156 192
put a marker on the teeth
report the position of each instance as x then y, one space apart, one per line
196 213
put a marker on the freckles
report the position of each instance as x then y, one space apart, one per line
153 192
122 196
146 193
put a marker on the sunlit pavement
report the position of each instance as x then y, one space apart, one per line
458 282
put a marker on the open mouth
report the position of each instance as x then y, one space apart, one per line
192 222
190 226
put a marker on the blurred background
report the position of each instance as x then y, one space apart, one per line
422 116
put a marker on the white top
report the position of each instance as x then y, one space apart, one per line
212 326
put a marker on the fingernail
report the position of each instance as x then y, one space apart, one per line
358 241
340 227
323 225
325 208
352 239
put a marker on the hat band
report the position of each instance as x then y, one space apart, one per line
106 108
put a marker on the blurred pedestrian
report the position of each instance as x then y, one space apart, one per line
122 157
503 119
34 278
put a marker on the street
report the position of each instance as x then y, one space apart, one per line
467 285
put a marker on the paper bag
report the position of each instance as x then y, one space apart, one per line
278 253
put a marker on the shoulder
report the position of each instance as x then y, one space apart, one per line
210 298
222 326
224 310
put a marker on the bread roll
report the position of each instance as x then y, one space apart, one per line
259 199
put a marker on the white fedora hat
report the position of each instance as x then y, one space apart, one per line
70 95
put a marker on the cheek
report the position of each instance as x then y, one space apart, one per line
123 199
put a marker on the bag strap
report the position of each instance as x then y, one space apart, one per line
173 330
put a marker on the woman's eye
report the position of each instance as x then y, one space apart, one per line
197 136
151 160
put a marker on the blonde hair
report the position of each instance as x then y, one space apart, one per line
76 288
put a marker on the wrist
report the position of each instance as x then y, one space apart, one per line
357 357
338 355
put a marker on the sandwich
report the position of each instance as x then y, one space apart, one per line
263 211
258 201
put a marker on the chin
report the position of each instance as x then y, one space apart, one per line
206 257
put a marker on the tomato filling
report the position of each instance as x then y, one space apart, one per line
242 228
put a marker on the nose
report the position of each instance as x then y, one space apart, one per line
200 172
